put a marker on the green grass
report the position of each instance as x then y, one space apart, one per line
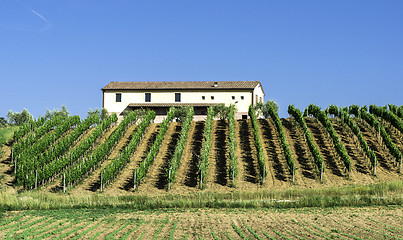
6 133
380 194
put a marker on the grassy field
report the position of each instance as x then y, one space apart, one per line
6 133
304 223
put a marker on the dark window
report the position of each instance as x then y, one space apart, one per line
118 97
203 97
244 116
148 97
212 97
233 97
177 97
242 97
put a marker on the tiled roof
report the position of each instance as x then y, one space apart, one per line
171 104
182 85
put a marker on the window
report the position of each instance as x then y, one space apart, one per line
233 97
212 97
242 97
261 100
203 97
177 97
118 97
148 97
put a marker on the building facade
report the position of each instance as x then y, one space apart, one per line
159 96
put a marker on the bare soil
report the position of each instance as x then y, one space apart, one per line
308 223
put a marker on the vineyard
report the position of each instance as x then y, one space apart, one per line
331 147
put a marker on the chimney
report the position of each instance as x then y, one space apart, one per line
215 84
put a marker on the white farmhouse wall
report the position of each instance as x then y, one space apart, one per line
242 98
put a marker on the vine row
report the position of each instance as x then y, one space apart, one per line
258 144
180 146
140 172
317 157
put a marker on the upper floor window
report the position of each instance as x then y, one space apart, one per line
177 97
118 97
233 97
212 97
203 97
242 97
148 97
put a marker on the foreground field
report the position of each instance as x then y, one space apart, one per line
305 223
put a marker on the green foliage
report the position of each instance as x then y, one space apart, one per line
221 111
180 146
264 108
116 165
233 162
205 151
74 154
102 114
142 170
272 110
48 163
16 118
344 115
6 133
30 160
317 157
91 160
340 149
258 144
373 122
181 113
63 113
389 116
3 122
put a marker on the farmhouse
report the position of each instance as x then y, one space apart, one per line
159 96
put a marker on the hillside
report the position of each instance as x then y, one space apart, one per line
218 179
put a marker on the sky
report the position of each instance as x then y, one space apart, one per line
62 52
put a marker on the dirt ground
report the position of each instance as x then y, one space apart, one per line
306 223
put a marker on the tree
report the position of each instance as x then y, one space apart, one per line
104 113
263 108
94 112
64 113
181 113
221 111
16 118
3 122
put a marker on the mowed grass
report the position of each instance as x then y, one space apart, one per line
380 194
110 223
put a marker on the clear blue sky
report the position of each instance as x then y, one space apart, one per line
55 52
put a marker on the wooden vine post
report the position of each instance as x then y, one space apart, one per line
134 179
64 182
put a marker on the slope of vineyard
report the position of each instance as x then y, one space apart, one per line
217 178
306 174
156 177
92 182
124 181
